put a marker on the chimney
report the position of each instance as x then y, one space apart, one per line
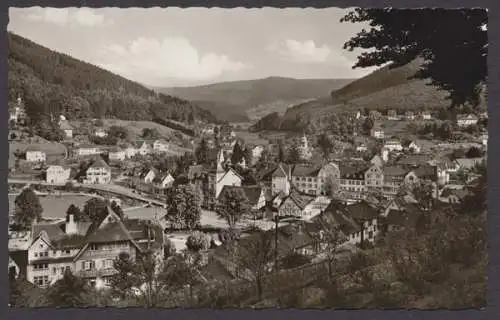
71 225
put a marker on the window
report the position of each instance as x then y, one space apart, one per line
370 235
36 254
67 251
93 247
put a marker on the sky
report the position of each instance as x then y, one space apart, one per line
165 47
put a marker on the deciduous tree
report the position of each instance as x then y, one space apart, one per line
443 38
27 208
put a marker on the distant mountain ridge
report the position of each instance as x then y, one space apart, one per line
55 83
238 100
389 88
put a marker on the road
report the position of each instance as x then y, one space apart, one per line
119 190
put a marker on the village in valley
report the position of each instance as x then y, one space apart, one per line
201 213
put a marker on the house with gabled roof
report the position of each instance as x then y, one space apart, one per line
352 179
395 177
392 115
87 150
98 172
367 217
293 205
116 154
465 120
255 195
161 146
393 145
148 175
143 147
58 173
281 179
163 180
34 154
335 217
87 249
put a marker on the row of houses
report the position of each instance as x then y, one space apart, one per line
130 150
96 172
87 249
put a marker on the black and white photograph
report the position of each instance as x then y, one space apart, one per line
247 158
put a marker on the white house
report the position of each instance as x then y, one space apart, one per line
377 133
392 115
86 249
256 153
484 139
161 146
164 180
58 174
149 175
19 112
143 148
361 148
67 128
101 133
99 172
316 206
414 147
33 155
130 151
393 145
304 149
226 178
116 154
426 115
409 115
465 120
281 179
87 150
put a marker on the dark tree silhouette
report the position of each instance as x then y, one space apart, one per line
95 209
27 208
444 38
201 152
69 292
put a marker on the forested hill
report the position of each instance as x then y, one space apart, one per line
51 82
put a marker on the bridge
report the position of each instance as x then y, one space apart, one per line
110 188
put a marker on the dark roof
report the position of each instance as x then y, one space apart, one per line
282 170
427 172
401 218
395 171
99 163
353 170
335 216
305 171
362 211
415 159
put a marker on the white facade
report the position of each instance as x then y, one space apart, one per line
149 177
377 133
229 178
466 120
161 146
58 174
414 147
393 146
117 155
130 152
256 153
35 156
101 133
281 183
100 175
88 151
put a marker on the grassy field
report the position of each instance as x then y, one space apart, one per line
53 206
135 127
53 150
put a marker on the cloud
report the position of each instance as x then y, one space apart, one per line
151 61
65 17
305 52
